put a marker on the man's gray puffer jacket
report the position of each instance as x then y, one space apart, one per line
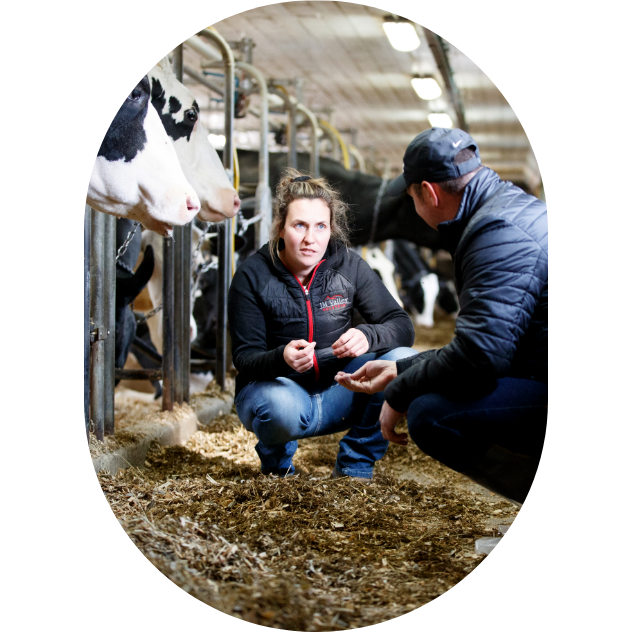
268 307
499 243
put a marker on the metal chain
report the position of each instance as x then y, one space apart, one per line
376 209
199 246
197 272
128 239
148 315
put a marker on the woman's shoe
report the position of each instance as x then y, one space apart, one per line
336 473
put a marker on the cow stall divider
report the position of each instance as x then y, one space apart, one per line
99 306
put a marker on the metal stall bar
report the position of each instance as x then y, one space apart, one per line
182 288
168 331
86 318
355 152
314 162
225 233
109 320
263 195
290 106
97 355
337 139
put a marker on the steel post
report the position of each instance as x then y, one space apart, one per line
178 316
225 233
290 106
86 318
97 352
314 158
185 346
182 285
109 318
167 325
263 193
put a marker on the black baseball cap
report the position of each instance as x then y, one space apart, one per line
430 157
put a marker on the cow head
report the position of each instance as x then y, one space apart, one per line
137 174
179 114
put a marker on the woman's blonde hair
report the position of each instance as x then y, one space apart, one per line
295 185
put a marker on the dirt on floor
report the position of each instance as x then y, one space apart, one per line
304 552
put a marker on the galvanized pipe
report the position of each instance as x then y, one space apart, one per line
263 195
225 233
314 161
168 359
180 318
185 345
86 318
109 321
97 351
290 106
359 158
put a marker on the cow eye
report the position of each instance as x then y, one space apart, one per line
135 95
191 115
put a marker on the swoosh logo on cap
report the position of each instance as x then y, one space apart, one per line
457 143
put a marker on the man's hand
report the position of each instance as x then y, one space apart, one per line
299 354
351 344
388 421
371 378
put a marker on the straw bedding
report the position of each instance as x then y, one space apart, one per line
301 553
305 552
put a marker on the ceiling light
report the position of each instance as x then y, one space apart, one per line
440 119
401 34
426 87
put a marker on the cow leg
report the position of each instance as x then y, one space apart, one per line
430 288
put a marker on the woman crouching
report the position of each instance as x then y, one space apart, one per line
290 311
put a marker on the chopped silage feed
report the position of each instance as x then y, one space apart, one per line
305 552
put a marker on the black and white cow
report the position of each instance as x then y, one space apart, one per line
203 168
129 284
136 174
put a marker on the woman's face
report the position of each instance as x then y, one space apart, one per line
306 234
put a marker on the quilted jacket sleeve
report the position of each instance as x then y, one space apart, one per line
248 332
503 272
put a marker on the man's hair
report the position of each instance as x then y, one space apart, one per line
456 185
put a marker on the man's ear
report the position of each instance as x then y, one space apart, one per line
430 193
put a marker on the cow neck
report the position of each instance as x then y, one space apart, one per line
308 305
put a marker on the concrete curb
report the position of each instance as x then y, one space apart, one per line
208 408
176 431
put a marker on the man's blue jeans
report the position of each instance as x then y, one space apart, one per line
281 411
459 432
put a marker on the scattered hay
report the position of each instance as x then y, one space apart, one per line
302 553
307 552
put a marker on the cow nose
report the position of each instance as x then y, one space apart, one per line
193 204
236 203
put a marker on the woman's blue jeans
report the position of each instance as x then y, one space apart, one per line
281 411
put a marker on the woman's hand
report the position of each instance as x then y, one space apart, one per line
351 344
299 354
371 378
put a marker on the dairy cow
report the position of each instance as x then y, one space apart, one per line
203 168
136 174
129 283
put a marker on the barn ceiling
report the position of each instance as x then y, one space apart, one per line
353 78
